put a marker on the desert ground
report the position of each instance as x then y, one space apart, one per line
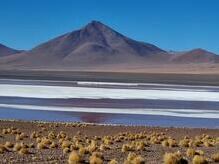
47 142
200 74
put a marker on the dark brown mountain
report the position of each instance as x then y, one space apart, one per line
94 44
97 45
5 51
196 56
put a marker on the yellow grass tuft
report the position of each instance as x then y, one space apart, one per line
113 161
95 160
198 159
9 144
74 158
23 151
17 147
190 152
174 158
2 149
215 157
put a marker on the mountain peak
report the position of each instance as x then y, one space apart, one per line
97 26
198 50
95 22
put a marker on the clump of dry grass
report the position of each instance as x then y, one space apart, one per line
199 159
184 142
125 148
169 143
51 135
92 147
208 144
61 135
197 142
23 151
17 147
104 147
9 144
139 160
41 146
165 143
174 158
31 145
113 161
66 150
82 151
66 144
215 157
34 135
192 152
96 158
172 142
19 137
74 158
2 149
134 159
53 145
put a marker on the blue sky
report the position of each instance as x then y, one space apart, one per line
169 24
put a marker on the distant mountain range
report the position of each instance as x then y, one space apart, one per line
97 44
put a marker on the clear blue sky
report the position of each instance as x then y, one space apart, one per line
169 24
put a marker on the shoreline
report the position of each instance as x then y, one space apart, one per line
125 77
104 124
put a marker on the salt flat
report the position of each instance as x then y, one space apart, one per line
37 91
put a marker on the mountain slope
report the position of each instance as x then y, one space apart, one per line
95 43
196 56
5 51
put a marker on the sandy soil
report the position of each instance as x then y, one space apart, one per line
80 135
146 76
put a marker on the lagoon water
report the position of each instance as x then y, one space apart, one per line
113 103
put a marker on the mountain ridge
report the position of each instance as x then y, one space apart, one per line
98 44
5 51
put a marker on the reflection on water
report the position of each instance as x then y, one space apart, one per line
93 118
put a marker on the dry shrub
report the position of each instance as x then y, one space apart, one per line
113 161
17 147
165 143
138 160
174 158
184 143
41 146
92 147
9 144
215 157
125 148
66 150
172 142
190 152
74 158
82 151
134 159
198 159
66 144
208 144
53 145
2 149
95 160
23 151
